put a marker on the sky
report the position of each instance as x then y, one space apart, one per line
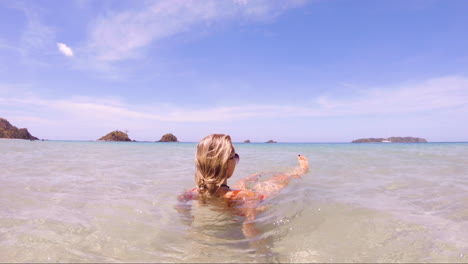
286 70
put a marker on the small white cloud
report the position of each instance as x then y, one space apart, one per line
63 48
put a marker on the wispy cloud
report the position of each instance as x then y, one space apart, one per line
125 35
65 50
428 95
446 96
37 35
118 35
35 39
409 97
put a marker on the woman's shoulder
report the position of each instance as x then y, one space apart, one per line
187 195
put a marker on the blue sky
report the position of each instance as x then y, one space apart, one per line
292 71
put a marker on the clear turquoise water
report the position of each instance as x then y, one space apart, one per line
65 201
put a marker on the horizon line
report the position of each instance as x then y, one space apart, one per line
239 142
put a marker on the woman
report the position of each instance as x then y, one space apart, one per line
216 161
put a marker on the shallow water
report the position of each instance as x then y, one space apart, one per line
65 201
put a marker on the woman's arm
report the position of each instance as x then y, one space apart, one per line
250 210
248 227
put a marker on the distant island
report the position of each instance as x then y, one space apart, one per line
12 132
391 140
115 136
168 138
9 131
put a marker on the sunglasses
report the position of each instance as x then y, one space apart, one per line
236 157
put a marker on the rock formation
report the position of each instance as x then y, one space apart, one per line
168 138
391 140
368 140
115 136
406 140
270 141
247 141
9 131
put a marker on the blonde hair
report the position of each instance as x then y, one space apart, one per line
213 154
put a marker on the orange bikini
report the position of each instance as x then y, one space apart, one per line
261 197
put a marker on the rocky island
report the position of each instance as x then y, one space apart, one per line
9 131
270 141
391 140
168 138
247 141
115 136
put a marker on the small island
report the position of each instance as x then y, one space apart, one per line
7 130
391 140
115 136
168 138
270 141
247 141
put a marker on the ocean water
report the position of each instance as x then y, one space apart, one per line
70 201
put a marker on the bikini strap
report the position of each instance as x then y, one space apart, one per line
234 193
